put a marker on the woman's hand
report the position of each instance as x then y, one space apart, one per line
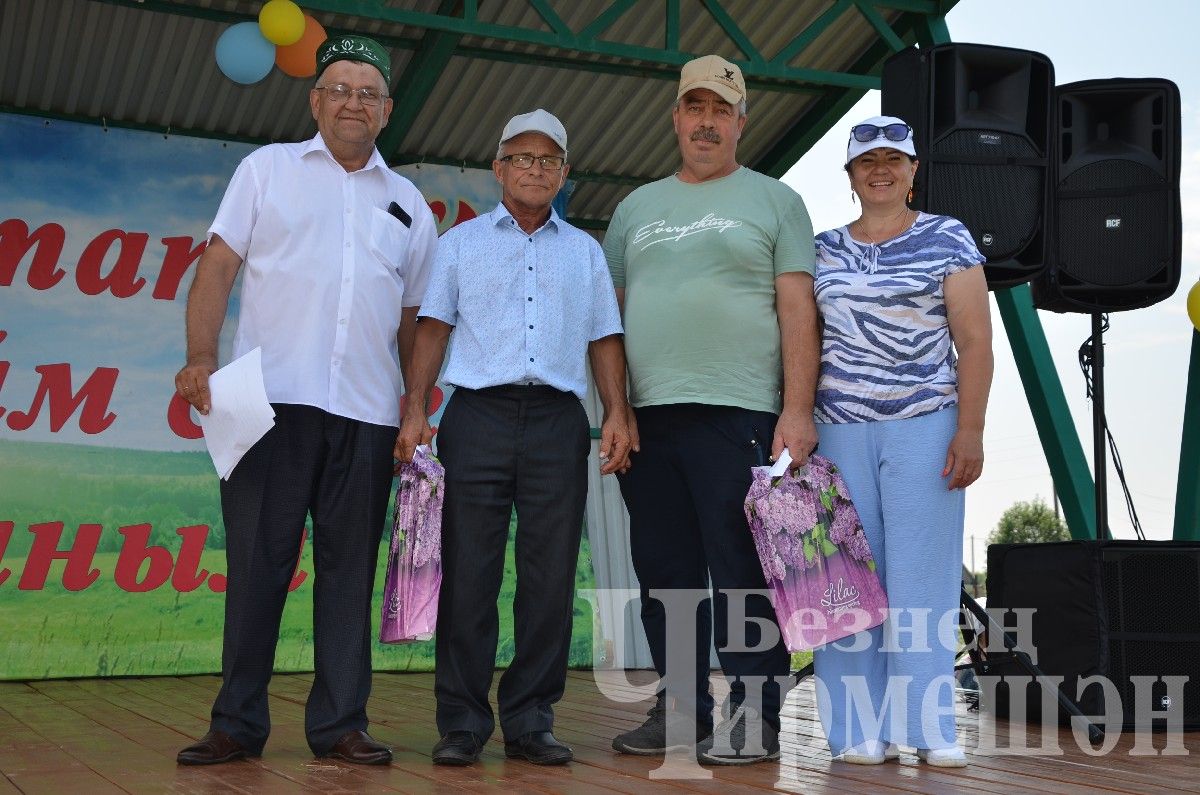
964 459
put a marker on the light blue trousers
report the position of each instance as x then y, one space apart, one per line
895 683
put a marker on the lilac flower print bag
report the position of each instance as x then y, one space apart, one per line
814 554
414 568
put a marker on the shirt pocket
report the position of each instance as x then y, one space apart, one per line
389 241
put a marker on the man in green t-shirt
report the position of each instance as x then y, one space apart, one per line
713 269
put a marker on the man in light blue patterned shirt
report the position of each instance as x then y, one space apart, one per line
528 297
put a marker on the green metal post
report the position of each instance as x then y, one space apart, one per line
416 84
1187 489
1051 415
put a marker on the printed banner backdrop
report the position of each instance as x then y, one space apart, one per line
111 539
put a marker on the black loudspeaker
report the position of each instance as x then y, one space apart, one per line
1118 230
982 119
1117 609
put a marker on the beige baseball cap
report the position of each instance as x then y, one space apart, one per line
716 74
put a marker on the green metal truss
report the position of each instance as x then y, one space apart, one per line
838 90
1051 414
834 104
465 20
444 30
420 77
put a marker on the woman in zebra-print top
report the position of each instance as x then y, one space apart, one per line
906 366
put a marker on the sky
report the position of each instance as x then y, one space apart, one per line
1146 350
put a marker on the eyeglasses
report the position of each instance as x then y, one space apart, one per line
869 132
547 162
339 92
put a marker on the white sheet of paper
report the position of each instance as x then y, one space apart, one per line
239 414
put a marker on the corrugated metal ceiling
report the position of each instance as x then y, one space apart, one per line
149 63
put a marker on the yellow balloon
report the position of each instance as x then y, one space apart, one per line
281 22
1194 305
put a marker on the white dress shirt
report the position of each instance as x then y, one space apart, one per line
326 272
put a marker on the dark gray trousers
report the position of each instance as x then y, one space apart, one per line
340 470
504 447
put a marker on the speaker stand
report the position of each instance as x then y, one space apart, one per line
981 664
1099 426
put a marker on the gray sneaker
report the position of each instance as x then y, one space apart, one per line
729 744
650 739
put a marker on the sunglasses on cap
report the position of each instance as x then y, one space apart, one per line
869 132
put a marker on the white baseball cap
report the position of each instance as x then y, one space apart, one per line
881 137
539 121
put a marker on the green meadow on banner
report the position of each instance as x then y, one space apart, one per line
111 539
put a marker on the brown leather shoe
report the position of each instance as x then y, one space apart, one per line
212 749
359 748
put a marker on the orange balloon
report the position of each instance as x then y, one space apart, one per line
300 59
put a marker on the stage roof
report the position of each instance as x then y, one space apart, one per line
461 68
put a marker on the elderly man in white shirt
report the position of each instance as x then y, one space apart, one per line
529 299
336 250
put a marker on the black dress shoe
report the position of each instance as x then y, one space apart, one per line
457 748
540 748
212 749
358 747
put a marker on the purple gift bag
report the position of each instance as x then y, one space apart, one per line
814 554
414 570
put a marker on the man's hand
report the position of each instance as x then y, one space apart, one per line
616 442
192 382
964 459
798 433
414 431
208 298
635 441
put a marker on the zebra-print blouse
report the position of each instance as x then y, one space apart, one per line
886 351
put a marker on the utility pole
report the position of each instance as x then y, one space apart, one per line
974 576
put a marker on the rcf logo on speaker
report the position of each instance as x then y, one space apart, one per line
1112 223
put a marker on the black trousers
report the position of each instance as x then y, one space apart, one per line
504 447
685 492
340 470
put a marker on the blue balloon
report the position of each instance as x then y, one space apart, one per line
243 53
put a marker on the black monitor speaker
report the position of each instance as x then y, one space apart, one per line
983 125
1116 609
1118 232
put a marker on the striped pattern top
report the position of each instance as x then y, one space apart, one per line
885 350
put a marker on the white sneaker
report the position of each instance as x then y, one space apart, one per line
943 757
872 752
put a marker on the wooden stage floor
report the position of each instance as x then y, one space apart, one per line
121 735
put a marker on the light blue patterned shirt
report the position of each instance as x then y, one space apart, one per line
524 306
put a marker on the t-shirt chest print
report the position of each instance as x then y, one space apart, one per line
659 231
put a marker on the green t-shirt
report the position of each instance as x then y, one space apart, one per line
698 263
